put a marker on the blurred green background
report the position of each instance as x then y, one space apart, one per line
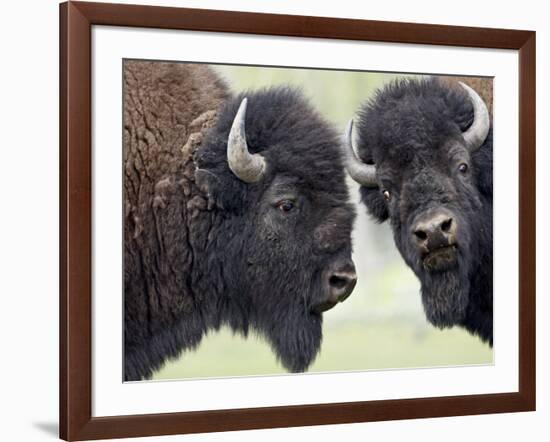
382 324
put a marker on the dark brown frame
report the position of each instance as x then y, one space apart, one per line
76 20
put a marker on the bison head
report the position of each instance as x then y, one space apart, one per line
272 169
425 162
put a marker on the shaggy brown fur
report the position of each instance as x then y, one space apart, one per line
167 107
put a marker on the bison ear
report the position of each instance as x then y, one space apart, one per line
208 182
376 205
485 183
483 162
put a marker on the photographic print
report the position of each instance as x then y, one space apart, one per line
288 220
254 234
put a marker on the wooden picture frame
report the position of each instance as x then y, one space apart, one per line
76 21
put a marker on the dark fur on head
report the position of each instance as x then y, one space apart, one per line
411 130
274 262
220 251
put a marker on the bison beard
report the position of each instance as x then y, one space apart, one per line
424 153
209 244
445 295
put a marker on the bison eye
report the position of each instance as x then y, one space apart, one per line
285 206
387 195
463 168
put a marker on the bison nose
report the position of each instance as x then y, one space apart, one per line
435 230
341 283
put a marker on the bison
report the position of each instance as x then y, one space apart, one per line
424 159
236 213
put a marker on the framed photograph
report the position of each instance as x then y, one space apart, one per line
274 220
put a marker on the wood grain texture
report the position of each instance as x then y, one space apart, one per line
299 26
75 216
76 421
527 221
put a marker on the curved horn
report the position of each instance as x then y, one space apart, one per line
475 135
364 174
246 166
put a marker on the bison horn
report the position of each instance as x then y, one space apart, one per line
364 174
477 132
246 166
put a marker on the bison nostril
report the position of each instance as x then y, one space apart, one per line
337 281
341 285
421 235
446 225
